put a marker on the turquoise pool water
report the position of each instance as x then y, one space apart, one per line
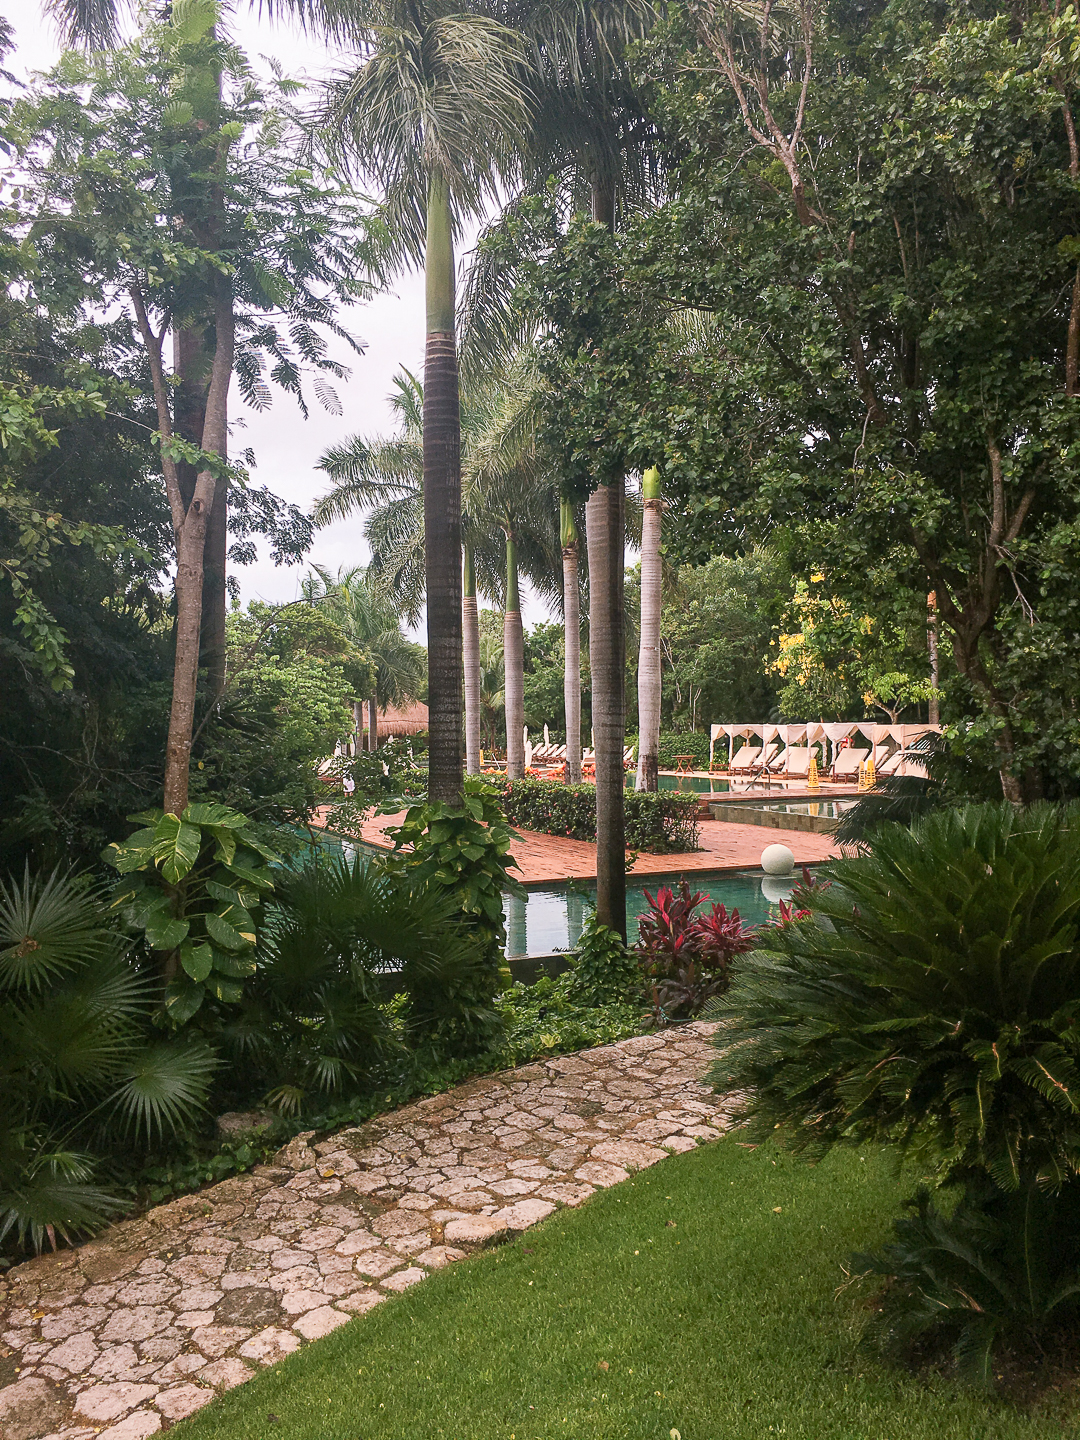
551 918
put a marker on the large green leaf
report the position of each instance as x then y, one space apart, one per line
182 999
215 815
228 991
197 960
165 932
226 935
176 847
239 967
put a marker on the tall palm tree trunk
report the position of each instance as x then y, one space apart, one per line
648 679
470 624
373 724
604 533
513 668
571 640
358 726
442 505
607 659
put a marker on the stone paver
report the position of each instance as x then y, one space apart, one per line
542 859
136 1330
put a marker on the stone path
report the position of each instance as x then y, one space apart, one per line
145 1324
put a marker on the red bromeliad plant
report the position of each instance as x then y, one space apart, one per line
687 956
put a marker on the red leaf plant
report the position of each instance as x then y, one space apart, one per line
687 956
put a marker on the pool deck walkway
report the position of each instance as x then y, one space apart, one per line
544 859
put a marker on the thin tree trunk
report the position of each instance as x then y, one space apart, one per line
470 620
933 709
190 548
358 726
571 640
442 506
648 682
607 658
373 724
513 668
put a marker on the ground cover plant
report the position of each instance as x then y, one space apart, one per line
929 1000
660 824
581 1328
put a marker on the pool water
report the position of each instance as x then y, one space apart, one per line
551 919
701 784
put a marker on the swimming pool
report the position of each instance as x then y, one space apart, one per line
551 918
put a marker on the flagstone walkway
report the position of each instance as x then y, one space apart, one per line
144 1325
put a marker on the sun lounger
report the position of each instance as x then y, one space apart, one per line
797 762
745 759
891 764
848 763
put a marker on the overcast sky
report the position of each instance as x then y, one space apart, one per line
391 326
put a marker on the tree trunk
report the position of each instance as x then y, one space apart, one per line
470 620
190 548
192 366
442 506
358 726
607 658
933 709
572 640
373 724
513 668
648 681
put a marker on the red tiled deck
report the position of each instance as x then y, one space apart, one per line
544 858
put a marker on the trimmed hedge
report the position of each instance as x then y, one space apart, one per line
694 742
659 824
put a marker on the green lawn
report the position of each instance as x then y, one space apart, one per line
723 1325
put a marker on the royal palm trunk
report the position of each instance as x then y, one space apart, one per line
513 668
648 680
470 620
373 724
442 506
607 660
571 640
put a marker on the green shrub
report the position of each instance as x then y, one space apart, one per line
82 1072
931 1000
464 853
342 938
547 1019
191 886
660 824
603 971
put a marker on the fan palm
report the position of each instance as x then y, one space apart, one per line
81 1070
434 113
360 606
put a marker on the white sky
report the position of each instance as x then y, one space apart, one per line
392 326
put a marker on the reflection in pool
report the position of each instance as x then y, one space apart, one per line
551 918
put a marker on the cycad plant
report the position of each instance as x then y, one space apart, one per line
82 1072
931 1001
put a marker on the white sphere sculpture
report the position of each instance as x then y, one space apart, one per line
777 860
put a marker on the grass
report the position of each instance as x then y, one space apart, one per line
697 1300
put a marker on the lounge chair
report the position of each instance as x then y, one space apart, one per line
848 763
797 762
745 759
891 764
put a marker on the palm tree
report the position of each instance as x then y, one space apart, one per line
360 607
508 525
649 643
434 114
589 131
568 534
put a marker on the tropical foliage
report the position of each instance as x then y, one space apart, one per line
930 1001
83 1071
